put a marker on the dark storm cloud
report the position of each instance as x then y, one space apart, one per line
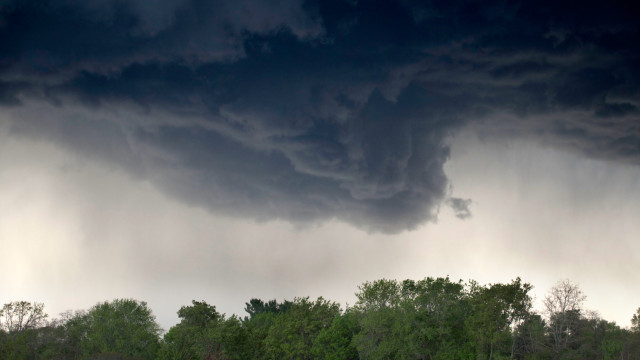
315 110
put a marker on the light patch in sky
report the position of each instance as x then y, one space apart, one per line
74 232
546 215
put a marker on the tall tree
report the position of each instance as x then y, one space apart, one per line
292 334
335 342
20 325
382 334
412 319
563 306
122 326
635 321
440 308
498 309
633 346
262 316
185 340
257 306
530 339
22 315
228 340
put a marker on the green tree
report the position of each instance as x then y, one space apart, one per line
21 324
635 321
228 340
185 340
74 327
531 339
293 332
123 327
199 314
262 316
257 306
613 341
497 309
203 333
380 294
17 345
258 327
437 328
412 320
380 318
335 342
633 337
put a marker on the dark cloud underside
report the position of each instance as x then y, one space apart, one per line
315 110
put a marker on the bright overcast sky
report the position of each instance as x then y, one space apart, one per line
258 149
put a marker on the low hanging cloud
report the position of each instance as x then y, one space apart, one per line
460 207
308 111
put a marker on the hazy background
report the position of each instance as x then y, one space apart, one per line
539 214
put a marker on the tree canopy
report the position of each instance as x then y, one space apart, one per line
432 318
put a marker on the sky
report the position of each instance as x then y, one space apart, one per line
186 149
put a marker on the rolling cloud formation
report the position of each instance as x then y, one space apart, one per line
312 110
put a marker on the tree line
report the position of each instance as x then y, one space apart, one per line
433 318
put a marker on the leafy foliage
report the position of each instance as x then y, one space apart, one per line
122 326
293 332
433 318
